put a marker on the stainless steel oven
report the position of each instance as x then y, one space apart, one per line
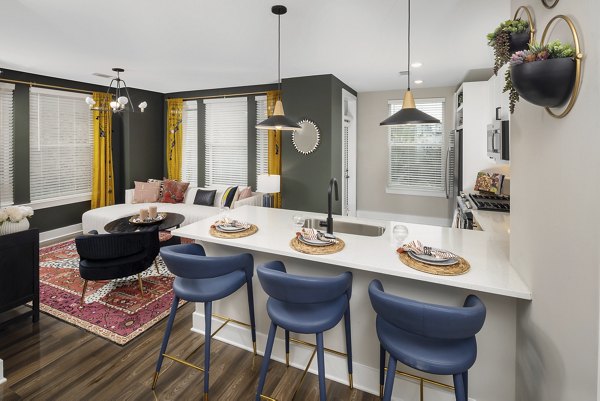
498 140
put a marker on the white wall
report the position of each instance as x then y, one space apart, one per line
554 228
372 163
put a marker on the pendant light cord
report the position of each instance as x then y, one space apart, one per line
408 66
279 54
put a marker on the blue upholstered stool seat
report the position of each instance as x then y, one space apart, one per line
440 357
432 338
200 278
209 289
306 318
308 305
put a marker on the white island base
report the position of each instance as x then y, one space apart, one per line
492 378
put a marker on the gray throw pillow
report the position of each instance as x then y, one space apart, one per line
205 197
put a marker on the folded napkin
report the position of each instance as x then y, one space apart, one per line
231 223
315 235
419 249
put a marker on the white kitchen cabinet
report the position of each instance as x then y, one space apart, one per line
472 117
497 97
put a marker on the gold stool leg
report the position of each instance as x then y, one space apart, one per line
85 283
156 265
140 283
205 396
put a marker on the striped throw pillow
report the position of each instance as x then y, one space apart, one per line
228 195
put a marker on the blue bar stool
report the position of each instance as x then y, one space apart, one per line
204 279
431 338
308 305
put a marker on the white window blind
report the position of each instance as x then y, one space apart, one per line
416 152
262 138
189 163
60 144
6 144
226 154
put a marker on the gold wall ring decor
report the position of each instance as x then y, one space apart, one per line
577 58
550 3
529 19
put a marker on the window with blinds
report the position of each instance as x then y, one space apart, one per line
226 154
262 138
189 162
416 152
60 145
6 144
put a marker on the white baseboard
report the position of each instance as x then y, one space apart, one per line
2 378
60 233
408 218
366 378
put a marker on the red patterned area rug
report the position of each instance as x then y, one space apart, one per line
115 309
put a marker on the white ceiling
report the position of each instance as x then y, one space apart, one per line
177 45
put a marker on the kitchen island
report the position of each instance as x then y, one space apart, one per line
491 278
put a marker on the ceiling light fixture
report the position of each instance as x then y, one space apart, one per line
418 81
278 121
416 65
409 114
123 99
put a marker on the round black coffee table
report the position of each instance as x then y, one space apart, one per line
123 225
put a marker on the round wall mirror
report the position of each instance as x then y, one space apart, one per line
306 139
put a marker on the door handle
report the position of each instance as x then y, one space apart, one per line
497 113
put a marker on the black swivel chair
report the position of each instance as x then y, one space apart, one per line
111 256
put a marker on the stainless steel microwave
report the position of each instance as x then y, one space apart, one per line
498 140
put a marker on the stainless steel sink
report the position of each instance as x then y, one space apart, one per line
347 228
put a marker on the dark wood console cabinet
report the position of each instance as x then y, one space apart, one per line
19 271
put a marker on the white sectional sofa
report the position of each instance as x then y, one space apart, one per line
96 219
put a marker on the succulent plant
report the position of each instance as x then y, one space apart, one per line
499 40
536 52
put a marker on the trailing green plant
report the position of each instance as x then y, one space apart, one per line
536 52
499 40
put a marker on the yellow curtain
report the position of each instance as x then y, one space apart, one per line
103 183
274 144
174 138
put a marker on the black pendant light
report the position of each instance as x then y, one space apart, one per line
278 121
409 114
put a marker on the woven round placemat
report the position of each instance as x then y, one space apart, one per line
317 250
218 234
461 267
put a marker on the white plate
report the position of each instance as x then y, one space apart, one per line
231 229
432 260
313 242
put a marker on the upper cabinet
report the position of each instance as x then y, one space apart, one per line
499 100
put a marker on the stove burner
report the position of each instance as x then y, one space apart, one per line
491 202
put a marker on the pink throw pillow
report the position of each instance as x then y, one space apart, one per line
174 191
146 192
246 193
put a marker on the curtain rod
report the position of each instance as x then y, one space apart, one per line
14 81
223 96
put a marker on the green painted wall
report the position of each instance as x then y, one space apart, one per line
146 129
305 178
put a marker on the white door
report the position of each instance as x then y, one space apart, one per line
348 154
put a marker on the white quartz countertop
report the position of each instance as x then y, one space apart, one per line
487 252
492 221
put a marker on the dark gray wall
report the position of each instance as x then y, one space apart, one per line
305 178
143 144
201 125
151 145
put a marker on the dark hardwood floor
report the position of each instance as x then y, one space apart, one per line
52 360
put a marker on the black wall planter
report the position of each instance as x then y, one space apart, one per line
547 83
519 41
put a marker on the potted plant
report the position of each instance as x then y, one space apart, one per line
543 75
14 219
509 37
